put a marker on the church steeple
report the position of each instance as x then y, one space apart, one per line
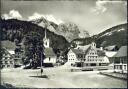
45 34
46 40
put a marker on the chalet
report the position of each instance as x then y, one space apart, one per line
75 56
7 59
88 55
120 61
95 56
50 56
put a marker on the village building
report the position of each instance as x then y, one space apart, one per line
50 56
75 56
7 59
15 54
87 55
78 42
7 49
120 61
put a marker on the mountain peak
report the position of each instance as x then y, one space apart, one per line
48 17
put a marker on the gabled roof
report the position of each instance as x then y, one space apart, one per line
122 52
11 52
110 53
110 48
77 51
83 47
49 52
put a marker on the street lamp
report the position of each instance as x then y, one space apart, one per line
41 65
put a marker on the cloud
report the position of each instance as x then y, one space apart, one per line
13 14
48 17
101 5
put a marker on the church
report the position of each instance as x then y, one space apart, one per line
50 56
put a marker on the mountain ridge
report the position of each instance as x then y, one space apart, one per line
116 35
68 29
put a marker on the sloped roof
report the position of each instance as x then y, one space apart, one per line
49 52
122 52
110 53
77 51
83 47
110 47
8 45
11 52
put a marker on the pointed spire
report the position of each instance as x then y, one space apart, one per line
45 34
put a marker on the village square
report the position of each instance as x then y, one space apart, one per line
88 64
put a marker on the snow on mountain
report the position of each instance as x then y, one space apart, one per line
49 17
113 31
121 29
13 14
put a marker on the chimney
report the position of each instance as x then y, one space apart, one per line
101 48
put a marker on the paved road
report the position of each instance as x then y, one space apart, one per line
59 78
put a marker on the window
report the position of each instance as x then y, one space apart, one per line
0 62
8 65
11 62
124 67
6 62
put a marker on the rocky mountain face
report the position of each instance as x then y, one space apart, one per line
69 30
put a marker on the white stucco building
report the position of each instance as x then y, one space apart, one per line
88 55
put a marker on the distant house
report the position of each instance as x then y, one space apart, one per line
50 56
111 48
77 42
120 61
75 56
7 59
88 55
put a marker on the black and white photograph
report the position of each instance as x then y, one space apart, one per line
63 44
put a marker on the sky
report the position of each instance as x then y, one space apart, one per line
94 16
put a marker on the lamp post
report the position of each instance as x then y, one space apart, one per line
41 65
